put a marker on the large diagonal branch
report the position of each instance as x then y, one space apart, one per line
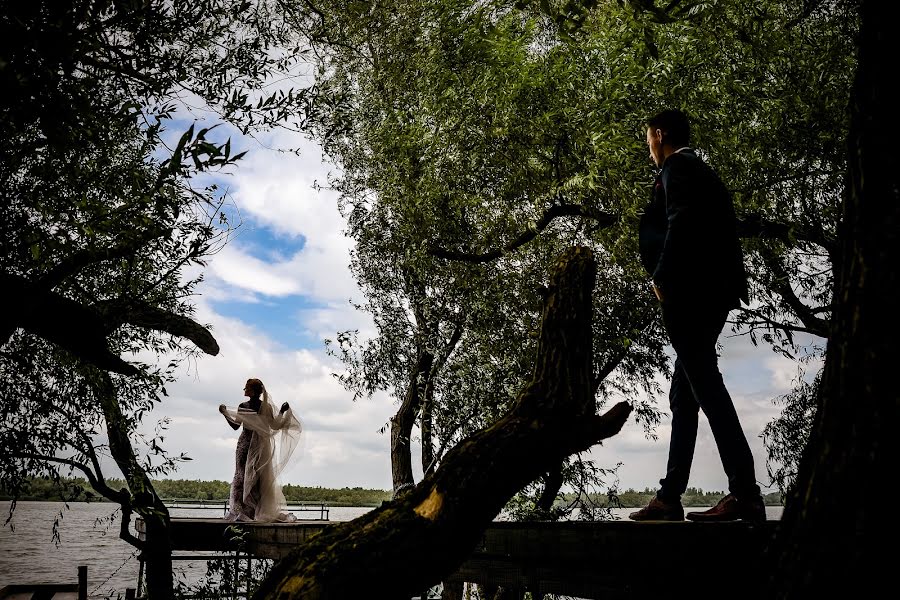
83 329
78 328
143 314
422 537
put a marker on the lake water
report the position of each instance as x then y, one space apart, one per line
89 535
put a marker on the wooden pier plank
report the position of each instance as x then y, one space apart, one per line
266 540
621 559
608 559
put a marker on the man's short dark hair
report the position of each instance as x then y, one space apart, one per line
675 126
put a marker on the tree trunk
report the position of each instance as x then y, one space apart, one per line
426 426
418 539
157 556
157 551
553 481
835 536
402 423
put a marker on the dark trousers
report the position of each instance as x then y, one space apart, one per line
697 383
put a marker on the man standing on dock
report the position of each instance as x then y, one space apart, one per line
690 248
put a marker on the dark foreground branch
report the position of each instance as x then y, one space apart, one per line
422 537
82 329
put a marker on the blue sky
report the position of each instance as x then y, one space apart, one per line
283 285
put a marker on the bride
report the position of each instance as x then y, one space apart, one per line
263 449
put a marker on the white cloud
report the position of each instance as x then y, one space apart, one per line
245 272
276 191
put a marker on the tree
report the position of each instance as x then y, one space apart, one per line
827 546
400 189
450 135
553 417
475 140
822 550
105 216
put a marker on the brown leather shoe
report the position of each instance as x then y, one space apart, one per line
730 508
659 510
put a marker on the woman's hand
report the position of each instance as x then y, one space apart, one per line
222 408
284 408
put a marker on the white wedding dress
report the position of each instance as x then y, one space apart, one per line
265 446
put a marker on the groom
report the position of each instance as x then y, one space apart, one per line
689 246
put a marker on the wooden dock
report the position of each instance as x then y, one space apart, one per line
604 559
621 559
262 540
49 591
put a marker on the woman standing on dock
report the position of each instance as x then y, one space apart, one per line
263 449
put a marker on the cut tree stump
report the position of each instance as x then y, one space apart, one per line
422 537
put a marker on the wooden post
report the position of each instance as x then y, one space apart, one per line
82 582
140 580
236 566
249 576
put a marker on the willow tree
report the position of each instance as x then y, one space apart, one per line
453 131
408 544
439 141
105 224
827 546
475 140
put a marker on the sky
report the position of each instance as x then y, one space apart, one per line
283 285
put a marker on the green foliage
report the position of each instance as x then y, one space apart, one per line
457 127
110 212
786 436
355 496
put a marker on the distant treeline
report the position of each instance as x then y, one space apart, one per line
77 489
193 489
692 497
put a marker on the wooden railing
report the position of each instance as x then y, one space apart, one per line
308 511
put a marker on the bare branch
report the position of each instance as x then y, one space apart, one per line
559 210
751 226
95 483
781 284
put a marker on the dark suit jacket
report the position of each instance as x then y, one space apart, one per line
688 235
